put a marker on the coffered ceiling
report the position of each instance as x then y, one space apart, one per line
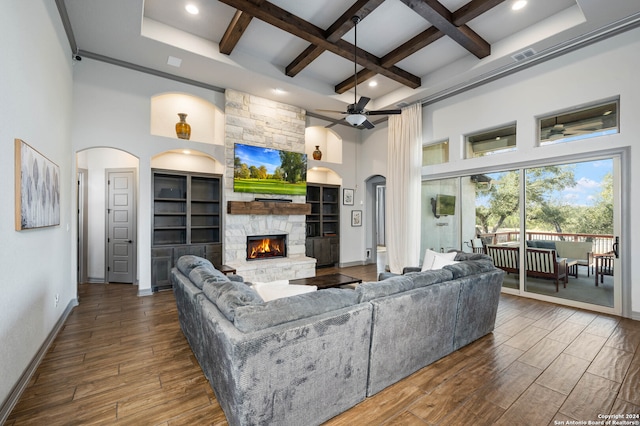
301 52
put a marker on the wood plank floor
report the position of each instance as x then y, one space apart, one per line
123 359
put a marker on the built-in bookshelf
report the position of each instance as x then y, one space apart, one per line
186 220
323 223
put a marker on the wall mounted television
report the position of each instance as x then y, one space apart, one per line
264 170
443 205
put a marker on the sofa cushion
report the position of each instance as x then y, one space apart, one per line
470 267
373 290
260 316
544 244
423 279
204 273
188 262
431 257
230 295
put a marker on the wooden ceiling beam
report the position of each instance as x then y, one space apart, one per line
340 27
235 30
472 10
298 27
440 17
407 49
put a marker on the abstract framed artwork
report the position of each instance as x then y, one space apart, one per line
37 191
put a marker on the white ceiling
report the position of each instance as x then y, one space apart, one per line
145 33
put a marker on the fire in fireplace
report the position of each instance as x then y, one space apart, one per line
266 246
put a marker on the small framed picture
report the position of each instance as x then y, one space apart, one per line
347 197
356 218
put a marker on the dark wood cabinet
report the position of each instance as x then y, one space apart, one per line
323 224
186 220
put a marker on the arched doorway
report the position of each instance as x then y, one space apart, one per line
100 251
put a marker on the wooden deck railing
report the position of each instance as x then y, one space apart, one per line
601 243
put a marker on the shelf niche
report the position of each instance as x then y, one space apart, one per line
206 120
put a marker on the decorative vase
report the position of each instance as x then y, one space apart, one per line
183 129
317 154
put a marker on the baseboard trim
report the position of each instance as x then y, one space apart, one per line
145 292
635 315
348 264
21 385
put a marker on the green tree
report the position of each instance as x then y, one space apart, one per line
542 208
597 219
294 166
262 172
254 172
244 172
503 201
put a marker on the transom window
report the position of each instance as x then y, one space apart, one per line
494 141
579 124
435 153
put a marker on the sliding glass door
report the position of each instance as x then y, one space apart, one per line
569 231
552 228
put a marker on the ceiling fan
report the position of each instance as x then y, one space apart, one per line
356 115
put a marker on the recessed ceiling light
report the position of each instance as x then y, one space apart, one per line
519 4
373 83
186 152
279 91
192 9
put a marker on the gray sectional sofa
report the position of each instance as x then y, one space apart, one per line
306 358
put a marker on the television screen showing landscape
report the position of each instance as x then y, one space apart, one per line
269 171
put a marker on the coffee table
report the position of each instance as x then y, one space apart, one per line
327 281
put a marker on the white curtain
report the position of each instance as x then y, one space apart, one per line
403 188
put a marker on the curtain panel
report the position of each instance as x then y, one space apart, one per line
403 188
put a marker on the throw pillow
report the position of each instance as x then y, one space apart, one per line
440 261
430 257
272 292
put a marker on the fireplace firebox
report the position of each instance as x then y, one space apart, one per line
266 246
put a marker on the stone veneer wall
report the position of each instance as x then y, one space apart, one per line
257 121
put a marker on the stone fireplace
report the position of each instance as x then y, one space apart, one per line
261 122
266 246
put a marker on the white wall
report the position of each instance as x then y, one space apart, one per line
112 108
35 90
603 70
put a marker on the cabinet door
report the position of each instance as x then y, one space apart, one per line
161 264
322 251
213 253
335 250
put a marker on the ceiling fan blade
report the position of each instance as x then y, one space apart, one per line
362 102
331 110
384 112
367 124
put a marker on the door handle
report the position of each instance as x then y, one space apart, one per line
130 241
615 247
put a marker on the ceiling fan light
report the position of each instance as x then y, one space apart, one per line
355 119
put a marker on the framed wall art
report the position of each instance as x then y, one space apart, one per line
347 197
356 218
37 188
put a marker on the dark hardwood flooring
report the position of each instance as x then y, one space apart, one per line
123 359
